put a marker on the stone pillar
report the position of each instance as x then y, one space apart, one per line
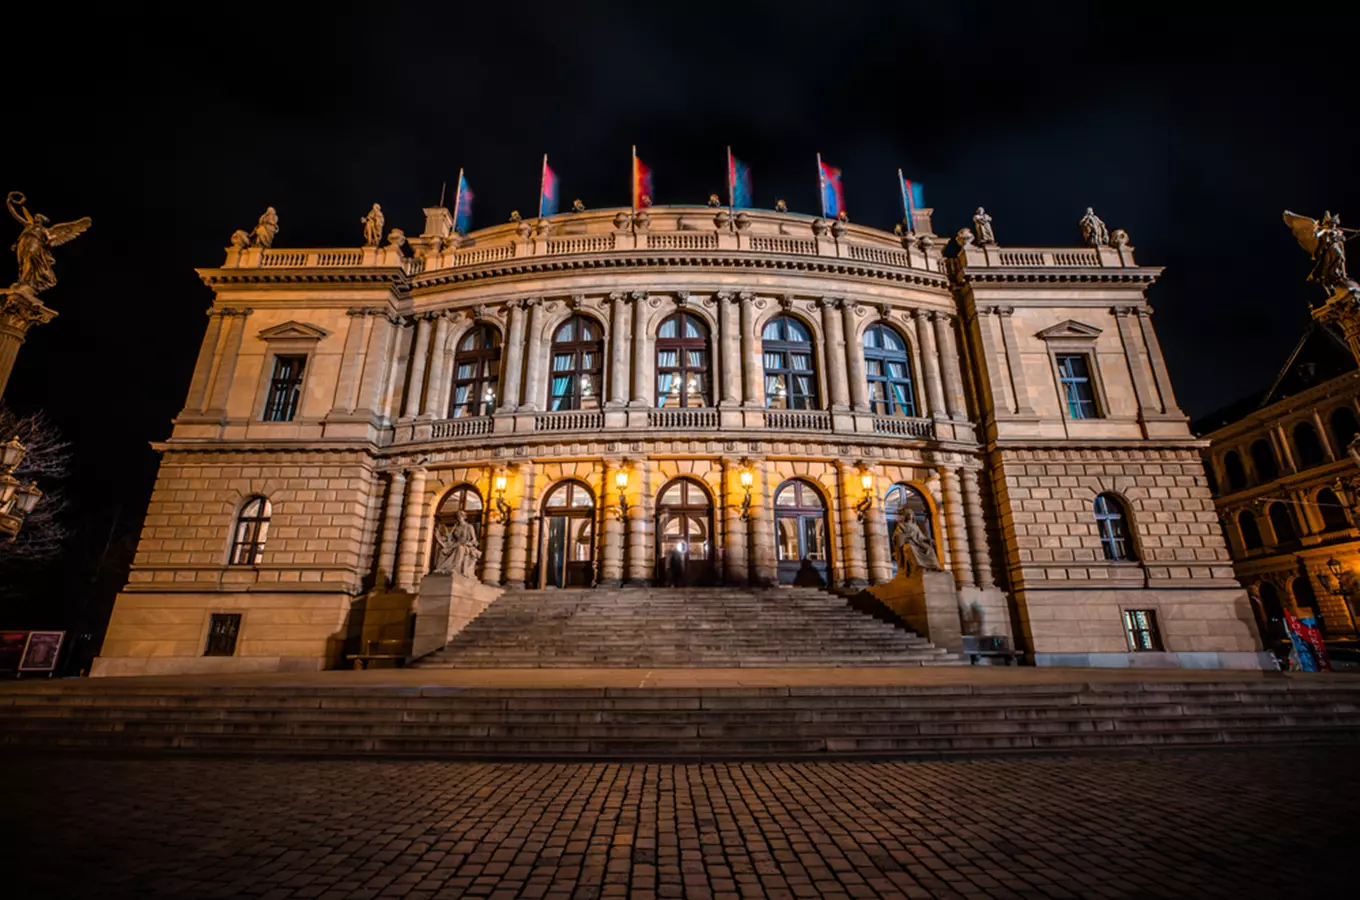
930 364
835 354
352 361
534 396
1133 355
419 349
640 387
1019 385
957 537
618 350
493 550
764 566
948 347
753 365
854 573
225 368
611 536
20 310
977 530
640 555
735 570
1325 438
854 349
880 545
387 555
381 343
440 359
514 360
1154 349
408 555
198 384
729 340
516 561
402 344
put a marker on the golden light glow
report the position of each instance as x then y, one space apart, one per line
621 479
866 481
747 478
500 483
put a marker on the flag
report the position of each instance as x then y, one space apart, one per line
913 198
547 191
833 201
739 194
642 183
462 206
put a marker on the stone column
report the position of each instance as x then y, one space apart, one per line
381 343
535 378
440 359
640 387
387 555
408 555
729 340
516 561
930 364
854 349
198 384
880 560
514 360
419 349
493 551
225 368
835 354
948 347
618 350
977 530
20 310
640 555
854 573
611 537
735 569
763 562
959 562
402 344
1325 438
753 366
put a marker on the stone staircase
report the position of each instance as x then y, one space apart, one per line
350 718
670 628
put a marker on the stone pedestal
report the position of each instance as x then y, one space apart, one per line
385 626
928 602
444 607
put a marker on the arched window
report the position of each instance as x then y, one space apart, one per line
1232 469
577 356
800 530
1307 444
252 526
1263 458
463 499
684 530
1333 513
567 538
682 361
1344 427
476 372
903 501
1282 522
888 368
1304 596
1113 525
790 371
1251 532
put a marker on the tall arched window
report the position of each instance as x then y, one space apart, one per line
1251 532
1307 444
1113 524
1263 458
888 367
1333 514
1304 596
1344 427
463 499
476 371
790 370
1232 468
1283 523
577 357
682 361
252 527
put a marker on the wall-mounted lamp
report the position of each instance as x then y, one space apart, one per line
866 502
621 482
747 479
501 506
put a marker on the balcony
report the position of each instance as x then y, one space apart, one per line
704 418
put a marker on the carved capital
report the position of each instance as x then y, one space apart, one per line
746 297
828 302
530 302
638 296
1122 311
725 297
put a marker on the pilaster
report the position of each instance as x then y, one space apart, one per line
618 350
535 394
959 562
729 339
948 347
226 362
977 530
835 354
198 384
930 364
735 570
640 557
854 573
441 360
859 381
763 562
514 360
408 556
611 535
753 368
641 389
419 351
387 555
516 564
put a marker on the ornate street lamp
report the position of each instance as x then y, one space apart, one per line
501 506
621 482
747 479
16 500
866 502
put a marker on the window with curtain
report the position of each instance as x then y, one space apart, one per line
476 373
1112 521
577 358
888 367
790 369
252 527
682 373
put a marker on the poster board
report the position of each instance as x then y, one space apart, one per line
41 651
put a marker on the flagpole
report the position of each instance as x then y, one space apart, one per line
731 193
821 184
632 194
906 206
542 183
458 200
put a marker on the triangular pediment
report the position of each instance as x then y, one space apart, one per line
1070 329
293 331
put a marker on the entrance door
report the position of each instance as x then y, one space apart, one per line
800 534
684 528
569 536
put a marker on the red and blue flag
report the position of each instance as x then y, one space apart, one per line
462 216
833 201
739 192
642 183
547 191
913 198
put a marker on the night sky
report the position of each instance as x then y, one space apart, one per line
173 126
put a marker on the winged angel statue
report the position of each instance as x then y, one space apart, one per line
35 241
1325 241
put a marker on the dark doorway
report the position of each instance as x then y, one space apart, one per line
800 531
568 551
684 533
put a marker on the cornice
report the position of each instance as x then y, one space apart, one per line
394 277
1141 275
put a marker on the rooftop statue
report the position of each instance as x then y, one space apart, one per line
982 224
35 241
1093 230
373 226
1325 241
265 229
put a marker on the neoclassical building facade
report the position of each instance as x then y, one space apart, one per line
672 397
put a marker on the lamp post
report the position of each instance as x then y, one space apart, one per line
16 499
747 479
1337 570
621 482
866 502
501 506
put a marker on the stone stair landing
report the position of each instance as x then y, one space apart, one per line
681 628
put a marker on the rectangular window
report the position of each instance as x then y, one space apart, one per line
1074 373
1141 627
285 389
222 631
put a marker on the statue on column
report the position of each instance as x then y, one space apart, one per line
265 229
1093 230
1325 241
912 548
458 550
35 243
982 224
373 226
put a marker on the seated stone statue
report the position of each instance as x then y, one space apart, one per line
912 547
457 548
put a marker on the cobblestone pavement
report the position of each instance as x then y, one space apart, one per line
1255 823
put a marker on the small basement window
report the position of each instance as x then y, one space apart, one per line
1141 627
222 631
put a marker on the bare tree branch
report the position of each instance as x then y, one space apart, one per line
48 462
